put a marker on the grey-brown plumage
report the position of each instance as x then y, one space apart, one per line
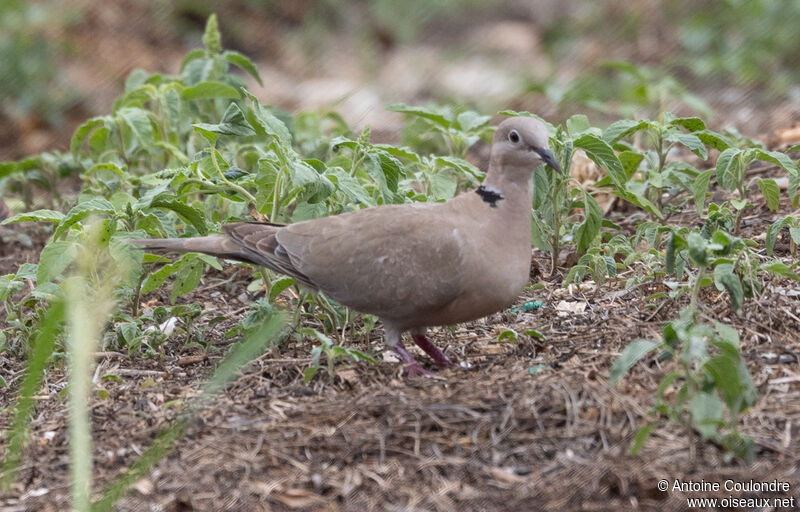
413 265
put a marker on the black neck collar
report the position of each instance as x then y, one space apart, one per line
491 196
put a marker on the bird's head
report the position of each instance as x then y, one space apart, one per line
522 142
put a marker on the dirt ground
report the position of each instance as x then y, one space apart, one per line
530 425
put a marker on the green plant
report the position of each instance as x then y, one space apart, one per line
332 352
651 182
710 382
716 45
624 89
180 155
710 388
731 171
457 130
792 224
28 74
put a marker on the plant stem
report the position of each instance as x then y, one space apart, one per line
323 303
696 289
276 194
555 242
264 271
137 295
234 186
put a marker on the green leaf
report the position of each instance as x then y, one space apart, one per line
623 128
95 206
442 187
265 122
158 277
209 260
279 286
139 123
577 124
458 164
54 259
35 216
630 161
794 234
233 123
692 124
601 153
243 62
700 190
391 170
728 334
83 132
739 204
210 89
713 139
771 191
590 227
781 269
193 54
470 121
128 332
728 168
509 335
697 249
540 233
422 112
27 271
777 158
186 279
351 187
726 279
533 333
641 437
27 164
635 351
706 411
316 186
691 141
773 231
670 254
188 213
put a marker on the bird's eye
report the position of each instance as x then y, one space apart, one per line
513 136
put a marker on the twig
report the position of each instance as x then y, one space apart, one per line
134 372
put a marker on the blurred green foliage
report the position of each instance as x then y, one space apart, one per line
27 60
753 41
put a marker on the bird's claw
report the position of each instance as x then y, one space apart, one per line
414 370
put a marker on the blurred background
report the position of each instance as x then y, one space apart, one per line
732 62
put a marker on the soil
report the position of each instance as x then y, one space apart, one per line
528 424
524 425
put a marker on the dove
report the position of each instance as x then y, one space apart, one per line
413 265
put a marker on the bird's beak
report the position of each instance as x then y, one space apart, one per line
548 158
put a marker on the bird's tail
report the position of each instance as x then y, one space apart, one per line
215 245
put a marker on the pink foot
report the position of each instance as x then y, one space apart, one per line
432 350
412 368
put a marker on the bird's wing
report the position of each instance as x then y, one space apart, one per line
257 244
391 261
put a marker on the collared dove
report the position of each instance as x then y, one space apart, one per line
413 265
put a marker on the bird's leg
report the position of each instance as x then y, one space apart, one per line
412 368
432 350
